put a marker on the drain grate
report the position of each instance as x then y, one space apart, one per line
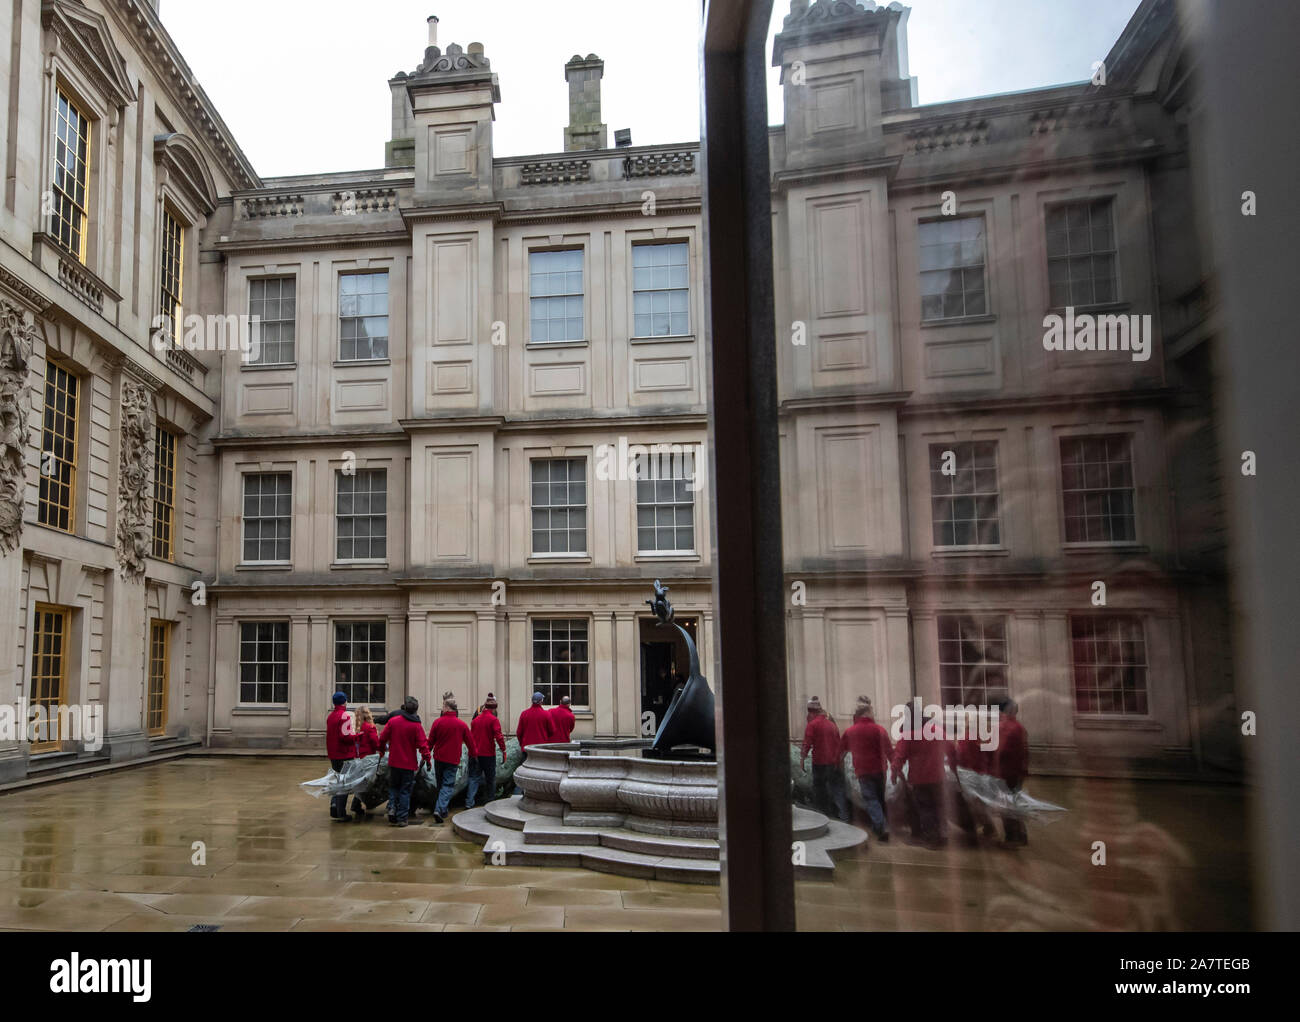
203 928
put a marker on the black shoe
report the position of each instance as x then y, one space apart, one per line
437 819
392 820
358 809
883 837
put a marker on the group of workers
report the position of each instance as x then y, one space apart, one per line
924 755
351 735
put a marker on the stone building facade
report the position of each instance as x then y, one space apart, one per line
474 429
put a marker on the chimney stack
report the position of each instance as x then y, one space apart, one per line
585 130
433 30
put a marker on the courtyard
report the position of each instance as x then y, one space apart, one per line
116 852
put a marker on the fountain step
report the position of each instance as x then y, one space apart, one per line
516 837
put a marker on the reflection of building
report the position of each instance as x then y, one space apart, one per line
422 482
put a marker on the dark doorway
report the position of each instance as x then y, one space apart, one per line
665 666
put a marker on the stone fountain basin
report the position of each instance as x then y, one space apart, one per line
608 784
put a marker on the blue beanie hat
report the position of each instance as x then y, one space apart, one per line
340 698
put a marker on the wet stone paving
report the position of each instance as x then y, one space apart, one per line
117 851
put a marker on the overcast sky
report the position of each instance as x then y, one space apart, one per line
303 84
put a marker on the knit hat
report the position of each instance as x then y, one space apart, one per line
538 697
449 700
814 705
864 707
340 698
491 701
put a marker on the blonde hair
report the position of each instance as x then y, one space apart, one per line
363 713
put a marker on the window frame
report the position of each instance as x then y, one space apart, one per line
340 475
1099 434
72 437
543 250
974 495
1111 200
336 623
63 93
158 626
655 462
1135 617
169 487
262 363
982 618
284 623
340 318
170 214
983 218
585 552
647 244
549 688
40 695
244 517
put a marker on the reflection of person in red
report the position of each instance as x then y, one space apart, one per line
562 720
868 743
1012 765
822 737
924 756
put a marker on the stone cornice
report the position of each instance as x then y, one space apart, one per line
156 44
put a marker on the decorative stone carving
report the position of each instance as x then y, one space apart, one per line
455 59
950 135
134 538
554 172
660 164
17 341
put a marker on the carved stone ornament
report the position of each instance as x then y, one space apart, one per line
134 536
17 340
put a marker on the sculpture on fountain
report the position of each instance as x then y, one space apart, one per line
689 721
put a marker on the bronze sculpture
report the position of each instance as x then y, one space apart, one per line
689 720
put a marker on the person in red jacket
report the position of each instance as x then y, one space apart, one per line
534 728
484 732
447 735
823 738
367 745
562 720
868 743
403 735
340 746
971 812
924 757
534 724
1011 763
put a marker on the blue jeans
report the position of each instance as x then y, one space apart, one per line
482 771
400 783
828 791
873 794
338 803
445 777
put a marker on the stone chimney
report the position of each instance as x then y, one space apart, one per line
585 130
843 66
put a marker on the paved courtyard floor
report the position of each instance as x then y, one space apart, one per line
116 852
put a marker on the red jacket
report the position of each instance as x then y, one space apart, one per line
869 745
368 738
1011 761
447 735
823 737
562 723
925 756
972 757
402 737
485 730
337 744
534 727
